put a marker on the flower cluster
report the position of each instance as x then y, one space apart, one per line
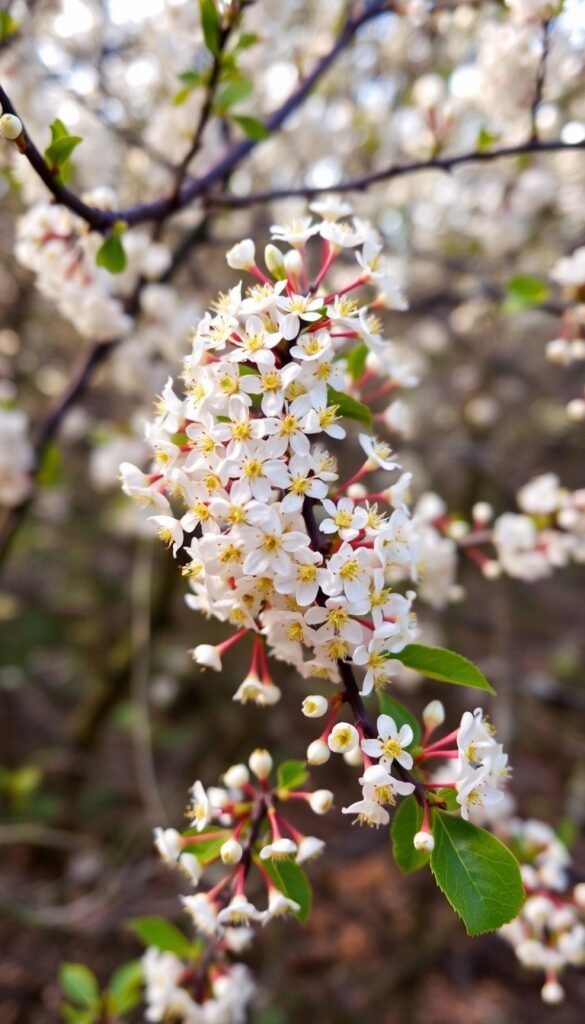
175 990
272 543
475 782
549 933
548 533
61 250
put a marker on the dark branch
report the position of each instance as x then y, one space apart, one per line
160 209
364 181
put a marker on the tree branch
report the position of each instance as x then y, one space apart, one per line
160 209
364 181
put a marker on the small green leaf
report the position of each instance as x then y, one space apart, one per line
291 880
72 1015
400 714
8 26
356 360
51 469
234 92
440 663
79 984
207 850
448 796
350 407
252 127
292 774
485 140
405 824
58 152
191 78
124 990
156 931
476 872
211 25
111 255
58 130
524 292
246 40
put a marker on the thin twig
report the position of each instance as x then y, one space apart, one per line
540 79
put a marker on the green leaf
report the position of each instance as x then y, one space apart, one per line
190 78
72 1015
246 40
291 880
234 92
356 360
350 407
485 140
58 130
476 872
79 984
405 824
292 774
524 292
439 663
111 255
207 849
51 469
400 714
125 988
448 796
58 152
211 25
8 26
156 931
252 127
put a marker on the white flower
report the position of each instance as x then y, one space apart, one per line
207 656
378 453
238 911
315 706
203 911
343 737
295 232
309 847
279 905
200 810
280 849
169 844
368 812
390 743
345 518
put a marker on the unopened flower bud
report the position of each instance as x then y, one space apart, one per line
260 763
356 491
315 706
579 895
491 569
236 776
434 714
576 410
293 263
169 843
552 993
207 656
231 852
321 801
558 351
354 757
343 738
423 841
457 529
482 513
10 127
274 261
242 255
318 752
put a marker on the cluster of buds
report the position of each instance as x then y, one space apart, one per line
239 826
270 541
549 933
